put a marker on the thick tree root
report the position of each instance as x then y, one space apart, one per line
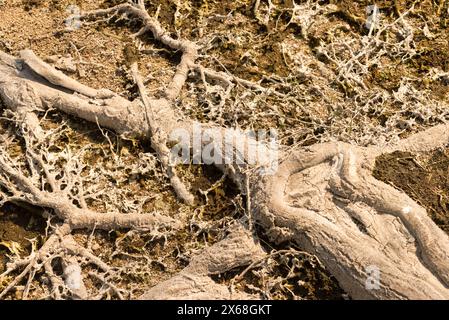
323 198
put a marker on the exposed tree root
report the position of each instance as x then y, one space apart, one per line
236 250
66 199
323 198
327 201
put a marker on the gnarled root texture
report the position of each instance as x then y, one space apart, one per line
322 198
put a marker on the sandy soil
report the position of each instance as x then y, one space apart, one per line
272 52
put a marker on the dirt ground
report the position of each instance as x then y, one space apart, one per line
18 227
423 177
278 54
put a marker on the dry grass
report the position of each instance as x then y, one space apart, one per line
321 75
